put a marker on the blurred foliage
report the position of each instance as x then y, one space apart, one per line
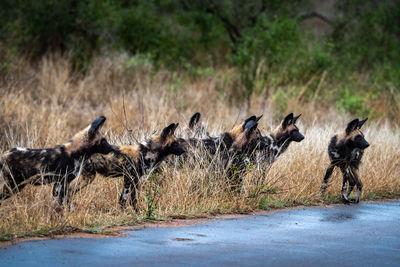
264 40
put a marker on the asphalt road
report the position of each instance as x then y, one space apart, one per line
367 234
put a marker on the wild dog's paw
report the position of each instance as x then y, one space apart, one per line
322 189
345 201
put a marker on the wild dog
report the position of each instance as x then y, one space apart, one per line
227 152
345 151
279 140
133 161
60 164
248 141
191 136
195 128
237 140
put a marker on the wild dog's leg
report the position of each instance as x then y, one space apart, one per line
129 192
352 182
326 178
5 193
345 172
7 190
59 192
125 193
234 174
356 177
87 176
8 185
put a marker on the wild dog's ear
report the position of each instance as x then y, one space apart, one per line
194 119
96 126
169 130
287 120
249 121
351 126
361 123
258 118
251 127
295 118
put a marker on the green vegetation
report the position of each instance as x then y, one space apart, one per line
354 64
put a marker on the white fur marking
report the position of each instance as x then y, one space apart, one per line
125 194
270 138
22 149
335 154
151 155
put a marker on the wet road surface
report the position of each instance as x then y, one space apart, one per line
367 234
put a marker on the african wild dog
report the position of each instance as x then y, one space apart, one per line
61 164
239 138
191 138
248 142
133 161
280 139
195 128
345 151
228 151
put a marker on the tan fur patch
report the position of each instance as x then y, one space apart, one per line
169 140
158 142
236 131
343 137
239 137
79 140
278 130
132 151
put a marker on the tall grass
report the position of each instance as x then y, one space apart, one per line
44 105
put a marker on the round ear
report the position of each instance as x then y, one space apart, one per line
295 118
361 123
250 129
176 126
95 126
250 120
169 130
287 120
351 126
194 119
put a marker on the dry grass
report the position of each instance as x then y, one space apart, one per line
45 105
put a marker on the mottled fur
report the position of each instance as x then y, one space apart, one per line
133 161
345 151
274 144
229 150
60 164
195 128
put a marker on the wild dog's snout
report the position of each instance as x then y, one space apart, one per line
106 147
180 151
297 136
365 145
178 148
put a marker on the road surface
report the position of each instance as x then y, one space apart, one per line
367 234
